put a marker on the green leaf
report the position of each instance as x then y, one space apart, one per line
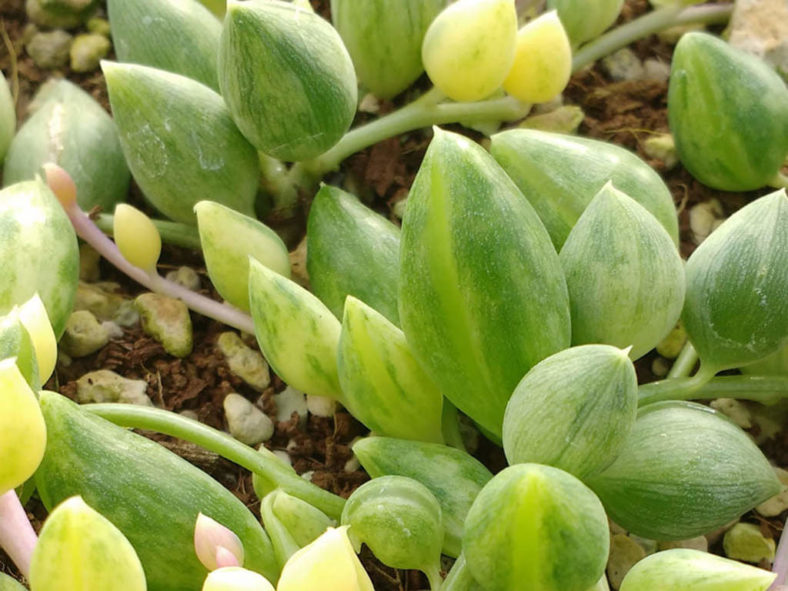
179 36
9 584
7 117
683 471
180 141
573 410
536 527
383 385
304 522
15 342
80 550
585 20
624 274
736 311
286 77
560 175
482 295
228 239
39 251
728 112
72 130
384 39
297 334
352 251
453 476
691 570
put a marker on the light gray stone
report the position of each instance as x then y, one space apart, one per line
186 277
779 502
50 50
107 386
290 401
624 554
624 65
243 361
167 320
744 541
760 27
321 406
87 51
84 335
247 423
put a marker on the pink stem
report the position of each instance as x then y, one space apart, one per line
781 561
17 537
91 234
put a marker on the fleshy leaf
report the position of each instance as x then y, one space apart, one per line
80 550
228 238
235 578
453 476
736 311
33 316
304 522
16 342
352 251
624 274
482 295
7 117
71 129
573 410
286 77
561 174
297 334
383 385
180 141
137 238
682 472
536 527
585 20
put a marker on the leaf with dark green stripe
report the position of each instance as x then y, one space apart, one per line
352 251
287 78
482 294
383 385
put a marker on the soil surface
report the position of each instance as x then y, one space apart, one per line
625 113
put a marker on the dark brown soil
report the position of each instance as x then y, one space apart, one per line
622 112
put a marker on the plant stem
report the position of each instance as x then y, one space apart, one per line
766 389
648 24
263 462
685 362
434 577
17 537
173 233
780 565
459 577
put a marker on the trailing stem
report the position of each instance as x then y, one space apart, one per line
17 537
766 389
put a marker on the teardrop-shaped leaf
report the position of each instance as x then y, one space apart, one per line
304 522
80 550
383 385
180 141
228 238
286 77
573 410
72 130
281 539
728 112
400 520
7 117
561 174
9 584
453 476
352 251
536 527
482 295
624 274
39 251
683 472
736 310
297 334
15 342
585 20
179 36
384 39
681 569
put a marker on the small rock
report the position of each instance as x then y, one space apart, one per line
88 263
399 207
50 50
779 502
99 26
27 34
247 423
624 65
352 465
700 543
624 554
167 320
105 306
244 362
656 70
369 104
113 330
283 457
290 401
734 410
87 51
662 147
51 18
84 335
190 414
298 265
565 119
308 475
744 541
320 406
760 27
186 277
704 218
660 367
107 386
671 345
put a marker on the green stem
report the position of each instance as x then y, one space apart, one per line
459 577
171 232
766 389
262 462
434 577
648 24
685 362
